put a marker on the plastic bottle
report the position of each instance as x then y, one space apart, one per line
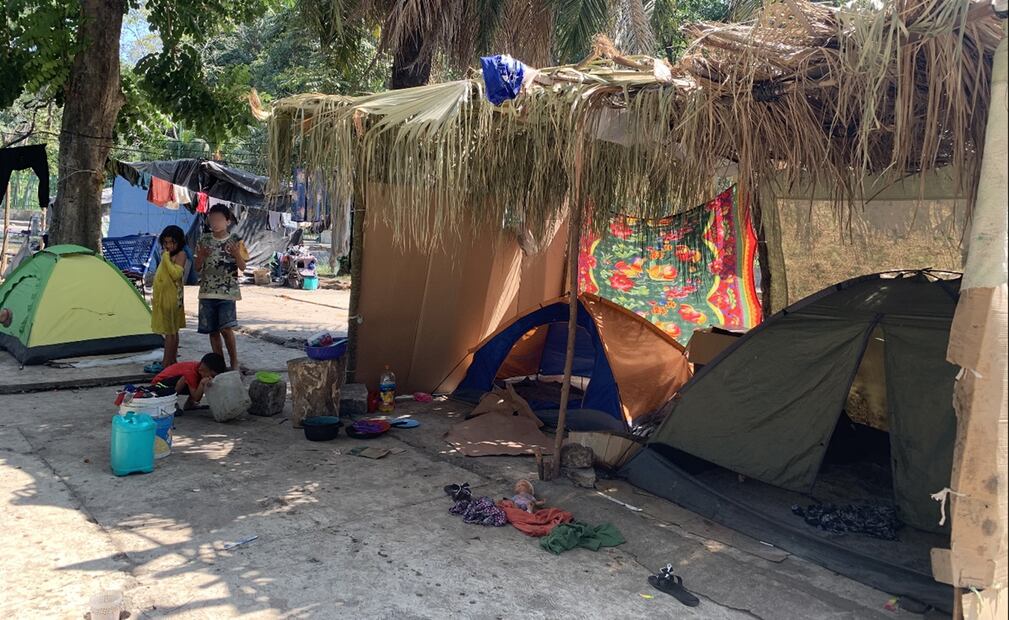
387 391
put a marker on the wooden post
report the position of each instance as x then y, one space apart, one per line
574 238
7 223
763 256
357 218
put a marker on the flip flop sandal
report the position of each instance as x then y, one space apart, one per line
458 492
672 585
405 423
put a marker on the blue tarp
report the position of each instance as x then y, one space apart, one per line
131 214
590 358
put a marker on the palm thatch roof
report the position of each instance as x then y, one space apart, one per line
803 91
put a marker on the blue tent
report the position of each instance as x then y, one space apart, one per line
534 345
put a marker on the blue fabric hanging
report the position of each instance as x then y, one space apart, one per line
502 77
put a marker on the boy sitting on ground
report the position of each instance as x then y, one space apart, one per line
191 378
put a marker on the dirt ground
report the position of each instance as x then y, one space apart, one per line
339 536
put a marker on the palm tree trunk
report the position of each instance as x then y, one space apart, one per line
411 66
93 98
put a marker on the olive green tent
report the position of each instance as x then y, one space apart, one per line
66 301
767 408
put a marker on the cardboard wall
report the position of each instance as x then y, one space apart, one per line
422 311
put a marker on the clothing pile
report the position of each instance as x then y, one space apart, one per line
876 521
556 528
479 511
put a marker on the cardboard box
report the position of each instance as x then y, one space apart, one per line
705 344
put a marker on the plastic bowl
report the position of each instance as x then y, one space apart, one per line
368 429
322 428
267 377
332 352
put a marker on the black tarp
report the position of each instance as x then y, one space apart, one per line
201 175
262 239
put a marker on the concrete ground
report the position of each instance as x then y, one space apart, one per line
282 314
339 536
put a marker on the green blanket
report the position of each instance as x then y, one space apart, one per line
567 536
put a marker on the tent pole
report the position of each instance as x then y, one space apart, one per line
7 224
357 217
574 237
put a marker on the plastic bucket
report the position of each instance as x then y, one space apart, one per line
310 283
106 605
162 410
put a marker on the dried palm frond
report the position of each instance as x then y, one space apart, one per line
802 92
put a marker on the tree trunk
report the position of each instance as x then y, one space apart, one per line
411 66
357 216
93 99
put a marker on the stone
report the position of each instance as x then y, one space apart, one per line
267 398
577 456
584 477
353 400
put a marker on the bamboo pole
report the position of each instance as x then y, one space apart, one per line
574 237
7 224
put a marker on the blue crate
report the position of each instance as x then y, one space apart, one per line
132 254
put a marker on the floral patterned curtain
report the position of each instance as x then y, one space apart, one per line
682 272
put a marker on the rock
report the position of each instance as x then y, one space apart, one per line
577 456
584 477
267 398
353 400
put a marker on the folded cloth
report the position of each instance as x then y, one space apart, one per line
539 523
480 511
567 536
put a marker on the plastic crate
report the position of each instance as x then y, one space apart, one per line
131 254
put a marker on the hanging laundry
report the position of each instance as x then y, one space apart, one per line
502 77
300 186
161 192
182 195
202 202
683 272
24 157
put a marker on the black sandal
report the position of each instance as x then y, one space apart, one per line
672 585
459 492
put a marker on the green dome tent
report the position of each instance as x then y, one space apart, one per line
67 301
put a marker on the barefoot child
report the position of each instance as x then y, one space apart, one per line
168 314
220 257
191 378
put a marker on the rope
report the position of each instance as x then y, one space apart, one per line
941 497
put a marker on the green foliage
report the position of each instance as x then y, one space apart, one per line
669 17
37 44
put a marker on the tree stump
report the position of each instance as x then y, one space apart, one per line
314 386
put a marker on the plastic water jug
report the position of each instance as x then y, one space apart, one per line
131 449
387 391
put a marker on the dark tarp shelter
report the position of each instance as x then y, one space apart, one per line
767 407
200 175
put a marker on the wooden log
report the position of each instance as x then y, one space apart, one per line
314 384
574 237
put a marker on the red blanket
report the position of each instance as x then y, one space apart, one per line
538 523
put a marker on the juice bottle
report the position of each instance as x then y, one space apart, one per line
387 391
